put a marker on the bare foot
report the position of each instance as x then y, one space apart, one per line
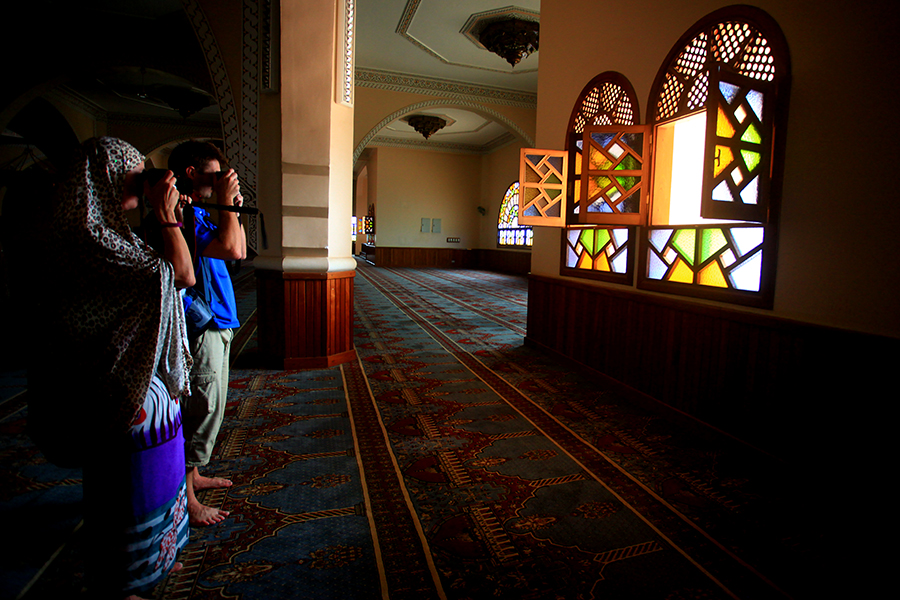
200 515
209 483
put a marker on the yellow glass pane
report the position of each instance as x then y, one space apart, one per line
578 163
723 126
724 157
712 275
681 273
602 263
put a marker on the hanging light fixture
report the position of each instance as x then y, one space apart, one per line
511 39
426 124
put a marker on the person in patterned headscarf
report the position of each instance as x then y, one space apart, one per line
107 393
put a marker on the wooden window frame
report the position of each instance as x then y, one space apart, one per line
677 72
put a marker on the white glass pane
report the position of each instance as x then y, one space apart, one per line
620 236
657 268
747 238
747 275
659 237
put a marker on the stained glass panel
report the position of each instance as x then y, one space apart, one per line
599 249
509 232
729 257
738 159
614 177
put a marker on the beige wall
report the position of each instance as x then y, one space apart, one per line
838 264
499 169
458 184
416 184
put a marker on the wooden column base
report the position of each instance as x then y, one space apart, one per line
305 320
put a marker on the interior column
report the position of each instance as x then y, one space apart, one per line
305 277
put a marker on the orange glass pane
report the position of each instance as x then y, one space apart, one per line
602 263
723 126
712 275
724 157
599 161
584 261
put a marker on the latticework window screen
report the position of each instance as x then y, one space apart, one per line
607 186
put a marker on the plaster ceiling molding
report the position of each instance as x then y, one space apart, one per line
465 132
420 144
427 25
397 82
439 107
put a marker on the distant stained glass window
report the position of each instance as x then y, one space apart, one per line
509 232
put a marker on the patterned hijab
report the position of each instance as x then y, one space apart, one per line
119 313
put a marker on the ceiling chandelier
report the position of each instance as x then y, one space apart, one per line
426 124
512 39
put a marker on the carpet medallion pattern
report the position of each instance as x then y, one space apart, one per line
450 461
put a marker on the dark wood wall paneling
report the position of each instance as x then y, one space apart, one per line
305 319
781 385
504 261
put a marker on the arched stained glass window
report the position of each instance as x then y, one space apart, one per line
716 105
509 232
606 108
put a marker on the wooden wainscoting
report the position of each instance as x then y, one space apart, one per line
435 258
503 261
784 386
516 262
305 320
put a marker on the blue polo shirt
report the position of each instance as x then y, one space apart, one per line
213 280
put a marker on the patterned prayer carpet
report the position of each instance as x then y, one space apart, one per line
450 461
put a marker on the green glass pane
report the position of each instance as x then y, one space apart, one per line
553 193
752 135
711 241
553 179
602 238
628 182
629 163
751 159
587 240
683 241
